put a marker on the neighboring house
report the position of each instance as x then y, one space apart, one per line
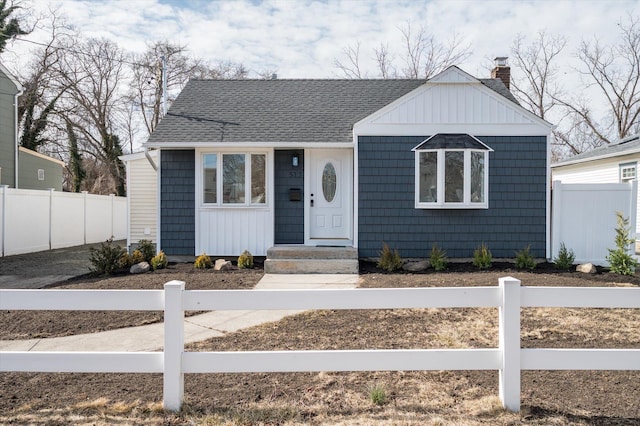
10 90
142 197
614 163
453 161
20 167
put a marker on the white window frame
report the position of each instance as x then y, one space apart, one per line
440 181
219 180
625 167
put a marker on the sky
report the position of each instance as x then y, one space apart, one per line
302 38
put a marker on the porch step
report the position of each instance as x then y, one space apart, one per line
311 260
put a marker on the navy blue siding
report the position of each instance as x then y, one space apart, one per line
517 201
289 215
177 202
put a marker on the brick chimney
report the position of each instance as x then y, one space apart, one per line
502 71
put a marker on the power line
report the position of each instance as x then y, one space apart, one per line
78 52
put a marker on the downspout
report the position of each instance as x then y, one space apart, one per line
149 159
15 129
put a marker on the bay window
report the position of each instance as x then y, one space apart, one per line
234 179
451 172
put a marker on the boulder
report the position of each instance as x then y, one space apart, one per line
586 268
223 265
416 266
140 268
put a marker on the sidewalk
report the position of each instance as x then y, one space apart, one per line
196 328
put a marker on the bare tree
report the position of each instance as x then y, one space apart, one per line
93 72
536 85
424 56
613 71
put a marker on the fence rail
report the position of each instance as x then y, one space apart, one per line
57 219
508 358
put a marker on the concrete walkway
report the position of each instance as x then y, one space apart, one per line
196 328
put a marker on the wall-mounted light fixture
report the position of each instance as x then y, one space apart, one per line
294 160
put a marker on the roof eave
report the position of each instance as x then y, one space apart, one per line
597 157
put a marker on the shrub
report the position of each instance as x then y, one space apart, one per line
147 249
159 261
124 261
524 259
377 394
620 261
245 260
104 261
203 262
565 258
137 257
438 258
390 260
482 257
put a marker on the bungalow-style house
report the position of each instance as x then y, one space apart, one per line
252 164
21 167
614 163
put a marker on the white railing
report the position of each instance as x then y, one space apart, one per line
57 219
508 358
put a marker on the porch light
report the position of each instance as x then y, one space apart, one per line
294 160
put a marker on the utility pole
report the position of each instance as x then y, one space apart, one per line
164 85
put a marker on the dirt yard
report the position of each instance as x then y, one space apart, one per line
564 397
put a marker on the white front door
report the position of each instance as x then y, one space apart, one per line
330 194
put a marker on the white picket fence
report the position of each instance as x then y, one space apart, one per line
36 220
508 358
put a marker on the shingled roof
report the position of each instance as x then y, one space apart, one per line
301 111
628 145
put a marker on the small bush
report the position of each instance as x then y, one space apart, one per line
438 258
390 260
147 249
377 394
524 259
245 260
482 257
565 258
203 262
124 262
620 261
159 261
105 260
137 257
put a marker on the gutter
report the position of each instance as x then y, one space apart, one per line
149 159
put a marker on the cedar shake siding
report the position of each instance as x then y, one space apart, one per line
177 202
516 216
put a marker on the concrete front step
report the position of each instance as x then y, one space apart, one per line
311 260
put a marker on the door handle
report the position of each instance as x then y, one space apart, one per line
311 199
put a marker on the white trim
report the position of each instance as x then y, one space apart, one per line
159 204
356 192
596 158
548 200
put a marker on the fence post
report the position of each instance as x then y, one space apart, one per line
509 331
84 218
3 216
173 377
51 217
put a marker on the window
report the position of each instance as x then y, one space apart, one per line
627 172
233 176
451 172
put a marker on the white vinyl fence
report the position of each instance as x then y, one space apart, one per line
36 220
508 358
584 218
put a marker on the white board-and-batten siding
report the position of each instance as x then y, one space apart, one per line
230 231
597 171
142 196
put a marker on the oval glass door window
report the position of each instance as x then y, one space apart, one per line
329 182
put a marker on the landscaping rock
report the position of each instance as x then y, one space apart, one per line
140 268
586 268
417 266
223 265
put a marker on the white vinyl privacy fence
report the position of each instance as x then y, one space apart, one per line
584 218
36 220
173 362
